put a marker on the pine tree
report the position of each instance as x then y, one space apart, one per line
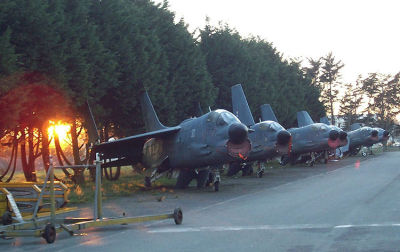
329 80
351 103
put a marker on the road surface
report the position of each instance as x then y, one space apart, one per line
350 205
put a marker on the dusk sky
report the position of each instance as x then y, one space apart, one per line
364 35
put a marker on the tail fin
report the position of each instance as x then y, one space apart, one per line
303 119
240 106
149 115
267 114
325 120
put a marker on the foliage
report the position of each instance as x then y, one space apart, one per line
351 102
105 52
266 77
383 96
325 74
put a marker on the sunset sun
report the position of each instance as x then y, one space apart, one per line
60 129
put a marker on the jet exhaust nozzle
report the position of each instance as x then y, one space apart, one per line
283 137
333 135
343 135
374 133
386 133
237 133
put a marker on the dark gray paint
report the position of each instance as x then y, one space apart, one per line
312 138
264 139
194 143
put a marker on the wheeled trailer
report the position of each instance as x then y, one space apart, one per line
48 227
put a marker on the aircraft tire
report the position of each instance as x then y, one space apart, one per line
202 178
247 170
233 169
6 219
147 182
184 179
49 233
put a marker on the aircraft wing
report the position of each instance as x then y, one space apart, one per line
128 150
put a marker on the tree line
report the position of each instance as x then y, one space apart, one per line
373 99
57 56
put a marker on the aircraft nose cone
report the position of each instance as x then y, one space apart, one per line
386 133
333 135
374 133
237 133
283 137
343 135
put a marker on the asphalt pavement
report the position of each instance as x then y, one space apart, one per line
349 205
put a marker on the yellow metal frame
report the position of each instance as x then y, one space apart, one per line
34 226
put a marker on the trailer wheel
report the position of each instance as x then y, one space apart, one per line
6 219
178 216
49 233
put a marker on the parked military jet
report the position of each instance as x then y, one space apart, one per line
214 138
310 142
269 139
343 139
383 135
363 136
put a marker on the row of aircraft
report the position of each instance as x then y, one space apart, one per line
197 147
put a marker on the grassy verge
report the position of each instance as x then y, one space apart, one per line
129 183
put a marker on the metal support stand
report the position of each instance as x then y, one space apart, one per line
98 199
52 195
48 227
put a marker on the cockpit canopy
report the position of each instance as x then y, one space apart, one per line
222 117
270 126
320 127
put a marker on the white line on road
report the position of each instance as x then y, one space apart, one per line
267 227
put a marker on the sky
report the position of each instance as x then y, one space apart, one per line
364 35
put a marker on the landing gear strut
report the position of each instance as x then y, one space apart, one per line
214 178
261 169
311 162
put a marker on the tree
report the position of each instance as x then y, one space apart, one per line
329 81
259 67
351 102
27 113
8 58
383 96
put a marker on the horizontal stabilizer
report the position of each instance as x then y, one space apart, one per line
303 119
267 114
240 106
149 114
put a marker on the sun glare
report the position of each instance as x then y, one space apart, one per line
60 129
